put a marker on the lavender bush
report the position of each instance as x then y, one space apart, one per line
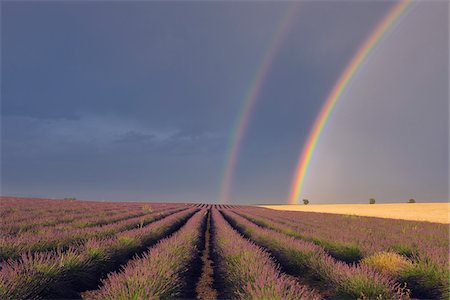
425 244
353 281
160 272
52 238
370 235
249 271
47 274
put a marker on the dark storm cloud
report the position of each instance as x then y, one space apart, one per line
164 64
136 100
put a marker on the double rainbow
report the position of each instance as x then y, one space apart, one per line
352 68
248 103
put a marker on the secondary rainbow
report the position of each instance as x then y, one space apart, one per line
352 68
248 103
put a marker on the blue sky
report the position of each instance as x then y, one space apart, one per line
136 101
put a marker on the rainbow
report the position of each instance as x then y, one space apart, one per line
336 93
248 103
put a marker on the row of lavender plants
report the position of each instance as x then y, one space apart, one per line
248 271
53 238
347 252
85 215
217 206
20 208
160 272
425 269
99 219
337 232
57 274
72 220
310 261
20 223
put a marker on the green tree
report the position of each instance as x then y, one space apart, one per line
305 201
412 200
371 201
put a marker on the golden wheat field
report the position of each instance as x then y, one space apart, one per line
431 212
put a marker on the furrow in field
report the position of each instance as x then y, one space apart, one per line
64 274
204 288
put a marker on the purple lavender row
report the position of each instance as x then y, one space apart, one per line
73 220
160 273
347 252
426 271
248 270
100 219
28 207
57 274
86 215
22 222
11 247
366 235
15 210
310 261
218 206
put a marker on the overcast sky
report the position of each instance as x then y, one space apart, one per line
137 101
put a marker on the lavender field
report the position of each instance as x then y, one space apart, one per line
72 249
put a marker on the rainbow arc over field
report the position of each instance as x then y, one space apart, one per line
249 100
345 78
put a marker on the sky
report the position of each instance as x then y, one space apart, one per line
137 100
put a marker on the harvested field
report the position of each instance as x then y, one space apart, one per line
431 212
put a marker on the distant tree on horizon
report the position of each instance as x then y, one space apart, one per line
412 200
371 201
305 201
